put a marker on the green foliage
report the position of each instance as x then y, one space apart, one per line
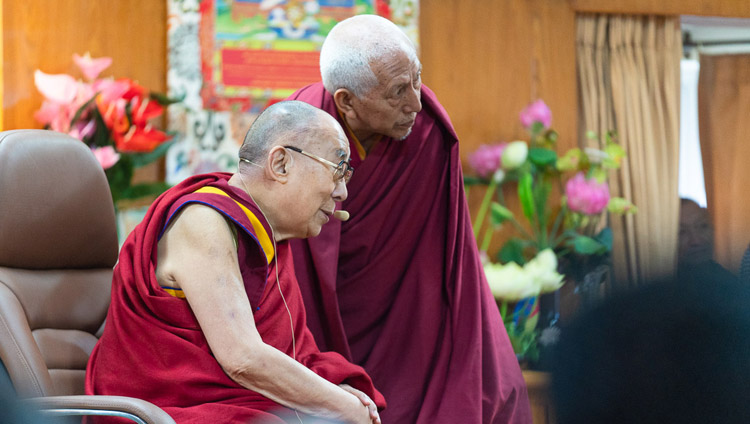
499 214
143 159
542 157
512 251
471 180
524 341
526 195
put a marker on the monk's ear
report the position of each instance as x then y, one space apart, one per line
344 100
278 164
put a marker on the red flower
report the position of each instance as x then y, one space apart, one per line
383 9
139 139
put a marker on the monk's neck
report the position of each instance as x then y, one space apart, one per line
367 139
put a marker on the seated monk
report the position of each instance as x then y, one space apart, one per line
206 319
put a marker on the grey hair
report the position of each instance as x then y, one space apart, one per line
353 45
287 120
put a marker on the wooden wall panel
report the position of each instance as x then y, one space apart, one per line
486 60
726 8
44 34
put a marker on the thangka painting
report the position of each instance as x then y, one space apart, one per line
229 59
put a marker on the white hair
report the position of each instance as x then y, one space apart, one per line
353 45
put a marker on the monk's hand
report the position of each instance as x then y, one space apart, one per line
366 401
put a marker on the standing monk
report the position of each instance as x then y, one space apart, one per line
206 319
399 288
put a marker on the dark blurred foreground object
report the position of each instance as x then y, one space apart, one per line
670 352
695 252
58 244
745 267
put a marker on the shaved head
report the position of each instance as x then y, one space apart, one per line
354 45
279 124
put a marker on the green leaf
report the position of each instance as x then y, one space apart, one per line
512 251
165 100
471 180
541 192
499 214
537 127
552 136
542 157
119 176
620 205
570 160
142 159
605 237
591 135
81 109
588 246
615 154
143 190
101 137
526 196
599 174
611 137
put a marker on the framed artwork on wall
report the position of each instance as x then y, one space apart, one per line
229 59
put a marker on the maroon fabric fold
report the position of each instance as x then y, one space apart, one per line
399 288
153 348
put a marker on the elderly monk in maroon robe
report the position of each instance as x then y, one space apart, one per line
399 288
207 320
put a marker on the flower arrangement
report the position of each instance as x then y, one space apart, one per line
551 231
114 117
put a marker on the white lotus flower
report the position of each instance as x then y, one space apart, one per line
543 271
510 282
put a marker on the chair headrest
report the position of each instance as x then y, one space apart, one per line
56 209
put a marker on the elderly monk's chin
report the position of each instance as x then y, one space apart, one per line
402 134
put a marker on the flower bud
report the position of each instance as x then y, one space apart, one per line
486 159
515 155
536 112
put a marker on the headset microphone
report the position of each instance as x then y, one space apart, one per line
341 215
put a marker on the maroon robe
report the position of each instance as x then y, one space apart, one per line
153 348
399 288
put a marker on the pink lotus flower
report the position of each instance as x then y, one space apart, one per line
536 112
586 196
486 159
91 68
107 156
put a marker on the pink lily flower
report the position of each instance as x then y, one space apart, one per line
61 88
90 67
111 90
107 156
83 130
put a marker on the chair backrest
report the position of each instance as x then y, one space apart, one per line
58 245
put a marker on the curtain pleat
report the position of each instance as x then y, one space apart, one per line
724 125
628 71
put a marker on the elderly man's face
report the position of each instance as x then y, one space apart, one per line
391 107
314 191
696 235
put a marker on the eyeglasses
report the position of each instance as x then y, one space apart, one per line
342 171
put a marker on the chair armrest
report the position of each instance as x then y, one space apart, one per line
138 410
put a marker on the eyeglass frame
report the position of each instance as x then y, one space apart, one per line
343 167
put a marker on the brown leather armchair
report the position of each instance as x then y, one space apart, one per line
58 245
